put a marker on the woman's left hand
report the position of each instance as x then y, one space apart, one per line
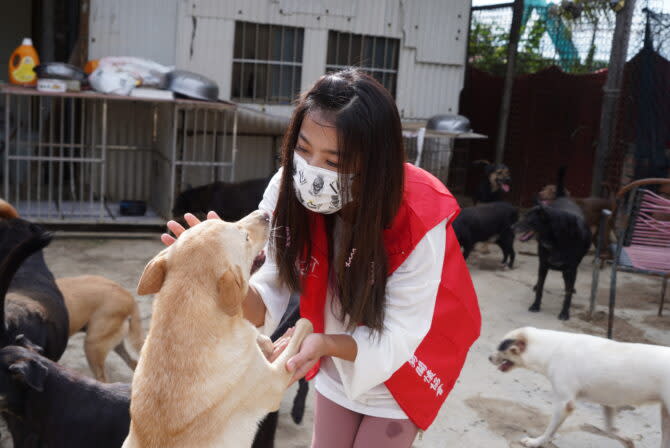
313 347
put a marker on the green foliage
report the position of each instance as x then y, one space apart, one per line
488 40
488 47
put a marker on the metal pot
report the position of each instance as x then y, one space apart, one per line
192 85
60 70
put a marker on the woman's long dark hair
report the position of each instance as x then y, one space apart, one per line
369 145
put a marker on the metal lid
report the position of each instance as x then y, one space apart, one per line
457 124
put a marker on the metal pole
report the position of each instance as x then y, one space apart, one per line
173 157
6 161
611 92
512 47
103 156
234 158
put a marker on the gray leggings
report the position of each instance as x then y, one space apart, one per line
338 427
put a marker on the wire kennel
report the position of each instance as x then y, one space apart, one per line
79 158
431 145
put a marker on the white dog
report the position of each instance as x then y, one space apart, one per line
613 374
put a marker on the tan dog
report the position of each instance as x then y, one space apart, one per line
202 380
109 315
7 211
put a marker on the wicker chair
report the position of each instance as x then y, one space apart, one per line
641 222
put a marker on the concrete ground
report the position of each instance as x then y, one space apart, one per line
486 408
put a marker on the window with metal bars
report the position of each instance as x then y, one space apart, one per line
267 63
378 56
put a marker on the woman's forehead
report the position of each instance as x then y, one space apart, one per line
318 132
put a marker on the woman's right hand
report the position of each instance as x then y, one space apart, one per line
178 229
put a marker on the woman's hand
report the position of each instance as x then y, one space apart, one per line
312 349
280 344
178 229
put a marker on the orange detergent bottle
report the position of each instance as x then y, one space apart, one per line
21 64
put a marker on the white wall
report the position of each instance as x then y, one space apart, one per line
198 35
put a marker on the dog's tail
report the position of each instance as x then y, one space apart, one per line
13 261
560 184
135 332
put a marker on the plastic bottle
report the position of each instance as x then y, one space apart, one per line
22 62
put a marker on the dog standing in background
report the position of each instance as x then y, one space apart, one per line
496 183
231 201
485 222
592 208
109 315
563 239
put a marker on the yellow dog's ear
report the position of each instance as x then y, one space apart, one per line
232 289
7 211
154 274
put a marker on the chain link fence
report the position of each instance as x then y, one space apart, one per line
575 36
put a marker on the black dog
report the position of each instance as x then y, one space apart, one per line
563 238
32 304
232 201
265 435
485 221
59 408
496 182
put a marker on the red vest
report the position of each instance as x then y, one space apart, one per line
421 385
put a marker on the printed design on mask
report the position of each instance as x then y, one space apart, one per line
308 203
335 202
335 186
317 186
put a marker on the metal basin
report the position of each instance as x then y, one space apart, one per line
192 85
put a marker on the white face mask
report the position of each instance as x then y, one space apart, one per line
318 189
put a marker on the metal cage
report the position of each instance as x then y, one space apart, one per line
74 157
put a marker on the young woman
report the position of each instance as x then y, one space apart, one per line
367 242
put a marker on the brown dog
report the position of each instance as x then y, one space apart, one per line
202 380
109 315
592 208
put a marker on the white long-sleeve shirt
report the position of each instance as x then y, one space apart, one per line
410 301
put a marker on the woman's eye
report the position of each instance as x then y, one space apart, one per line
333 164
301 149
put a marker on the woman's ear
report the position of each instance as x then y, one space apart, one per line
154 274
233 289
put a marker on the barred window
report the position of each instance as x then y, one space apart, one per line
267 63
378 56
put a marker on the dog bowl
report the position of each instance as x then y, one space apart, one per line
132 208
